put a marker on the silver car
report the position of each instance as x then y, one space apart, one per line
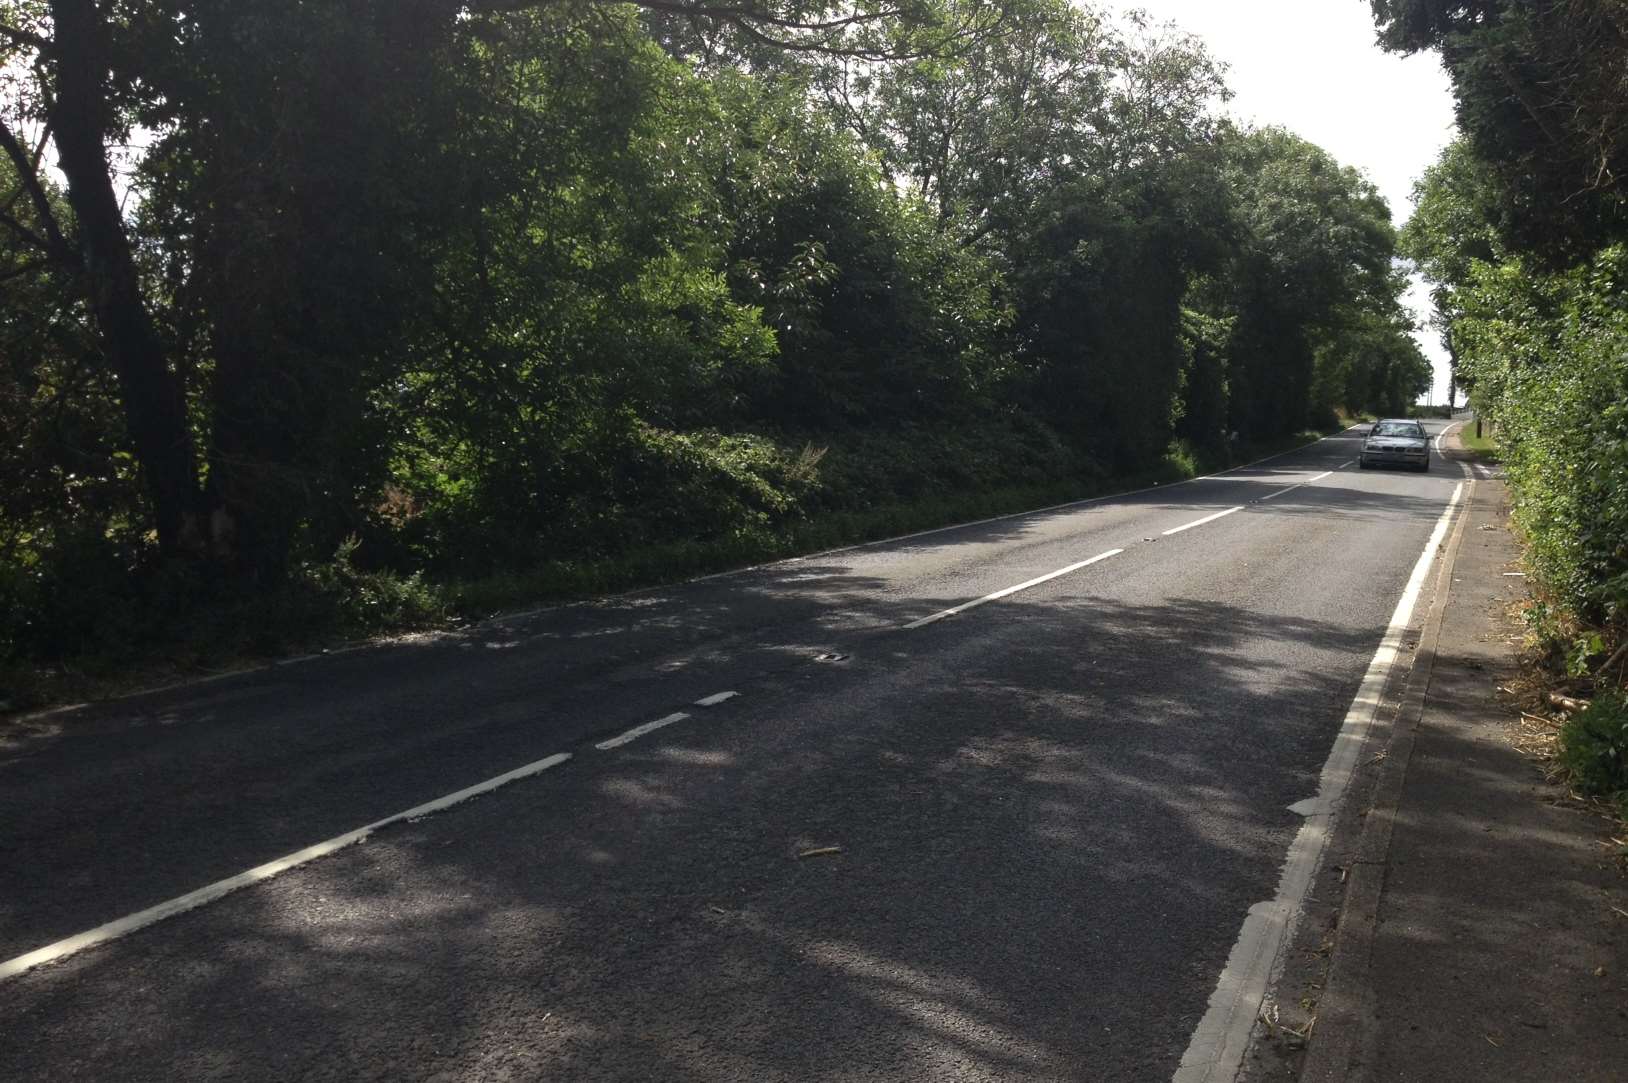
1396 443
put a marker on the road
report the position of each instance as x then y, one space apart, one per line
1039 822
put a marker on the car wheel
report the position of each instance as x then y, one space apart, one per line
1364 463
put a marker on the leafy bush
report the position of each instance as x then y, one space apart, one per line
1548 357
1594 747
708 484
372 600
868 468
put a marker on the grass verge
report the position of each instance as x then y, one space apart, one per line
1482 445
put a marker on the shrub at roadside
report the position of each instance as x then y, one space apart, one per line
1594 749
1548 355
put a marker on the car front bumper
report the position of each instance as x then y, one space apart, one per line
1396 456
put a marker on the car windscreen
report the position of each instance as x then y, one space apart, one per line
1399 430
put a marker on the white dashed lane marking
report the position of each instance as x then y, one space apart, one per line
1206 519
219 889
1290 488
639 731
1025 585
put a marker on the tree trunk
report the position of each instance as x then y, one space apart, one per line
152 397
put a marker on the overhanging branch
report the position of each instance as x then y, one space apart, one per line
28 176
824 34
25 37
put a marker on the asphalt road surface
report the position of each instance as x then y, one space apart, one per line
1051 813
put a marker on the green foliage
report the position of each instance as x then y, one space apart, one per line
877 316
865 470
78 612
1205 390
1520 229
1540 101
1318 324
1594 748
1113 358
457 305
1369 362
371 600
1547 356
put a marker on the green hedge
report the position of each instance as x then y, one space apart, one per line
1548 357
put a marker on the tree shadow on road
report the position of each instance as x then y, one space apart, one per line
1043 864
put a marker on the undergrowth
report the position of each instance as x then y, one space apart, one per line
93 629
1593 750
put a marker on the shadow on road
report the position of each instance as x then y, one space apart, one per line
1043 862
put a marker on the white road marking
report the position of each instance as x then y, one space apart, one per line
527 614
1220 475
193 899
1217 1048
715 699
639 731
1292 488
1201 522
1036 581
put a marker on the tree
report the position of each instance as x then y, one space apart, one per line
983 133
1539 97
1318 247
1454 227
1074 153
283 386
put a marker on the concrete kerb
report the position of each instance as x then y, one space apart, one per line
1337 1052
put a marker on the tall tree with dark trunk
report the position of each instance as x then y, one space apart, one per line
282 366
154 404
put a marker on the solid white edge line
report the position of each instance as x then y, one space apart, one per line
1201 522
1025 585
715 699
1219 1042
639 731
221 888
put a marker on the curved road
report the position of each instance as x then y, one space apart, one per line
1016 842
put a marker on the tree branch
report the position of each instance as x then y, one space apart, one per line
731 13
821 35
25 37
24 234
22 269
28 176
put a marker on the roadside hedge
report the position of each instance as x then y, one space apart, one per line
1547 356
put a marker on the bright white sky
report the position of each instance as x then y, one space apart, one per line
1312 66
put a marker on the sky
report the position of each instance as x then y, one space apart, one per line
1312 66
